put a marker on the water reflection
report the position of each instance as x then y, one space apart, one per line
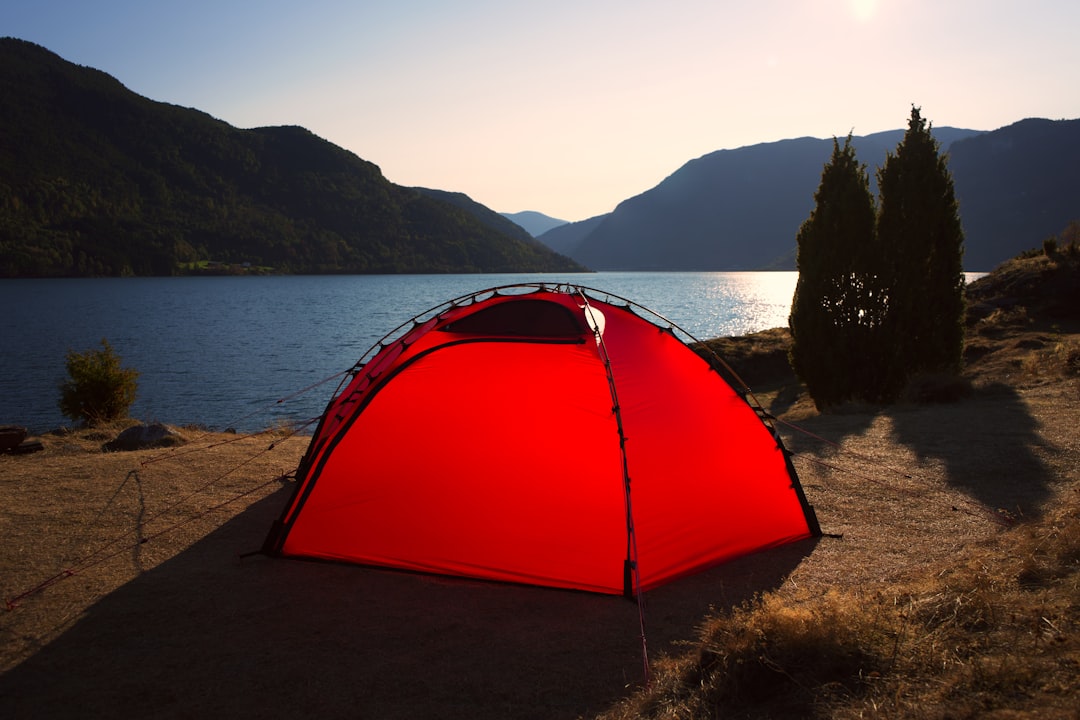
222 351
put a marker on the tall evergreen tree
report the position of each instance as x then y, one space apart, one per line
833 314
919 232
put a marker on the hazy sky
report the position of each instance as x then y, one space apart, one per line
569 107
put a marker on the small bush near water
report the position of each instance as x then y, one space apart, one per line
98 389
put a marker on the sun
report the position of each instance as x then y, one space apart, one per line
863 9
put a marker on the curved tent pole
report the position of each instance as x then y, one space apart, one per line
631 574
630 570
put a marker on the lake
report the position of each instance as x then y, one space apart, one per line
223 351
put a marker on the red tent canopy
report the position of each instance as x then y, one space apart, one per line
541 435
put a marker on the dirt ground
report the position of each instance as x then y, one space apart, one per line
129 591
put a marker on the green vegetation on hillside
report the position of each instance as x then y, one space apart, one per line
96 180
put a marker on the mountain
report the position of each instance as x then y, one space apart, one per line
97 180
741 209
536 223
484 214
729 210
1016 186
566 239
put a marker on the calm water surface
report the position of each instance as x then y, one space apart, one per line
222 352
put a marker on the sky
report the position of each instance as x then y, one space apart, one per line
568 107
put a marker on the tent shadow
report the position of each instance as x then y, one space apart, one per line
203 634
1005 472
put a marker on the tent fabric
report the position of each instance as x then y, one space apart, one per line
547 437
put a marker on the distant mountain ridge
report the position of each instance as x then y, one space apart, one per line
741 209
1016 187
96 180
484 214
535 223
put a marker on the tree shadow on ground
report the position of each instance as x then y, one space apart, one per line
204 634
989 446
986 455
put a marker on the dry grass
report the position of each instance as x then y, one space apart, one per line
947 586
993 632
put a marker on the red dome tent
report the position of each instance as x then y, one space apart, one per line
539 434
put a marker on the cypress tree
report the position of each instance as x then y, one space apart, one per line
919 231
833 317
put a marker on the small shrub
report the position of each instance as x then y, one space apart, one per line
1060 360
98 390
1069 355
1050 247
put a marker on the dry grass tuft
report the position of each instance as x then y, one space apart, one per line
997 632
1002 318
1050 358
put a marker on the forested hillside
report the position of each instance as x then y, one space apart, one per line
96 180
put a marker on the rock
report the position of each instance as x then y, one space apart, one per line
30 445
11 436
141 437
